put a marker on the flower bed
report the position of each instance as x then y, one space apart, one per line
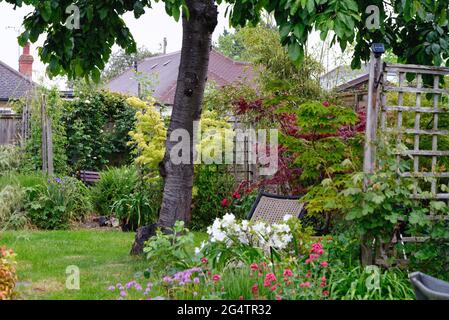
8 276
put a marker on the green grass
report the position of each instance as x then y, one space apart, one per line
102 257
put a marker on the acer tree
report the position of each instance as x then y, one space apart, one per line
80 34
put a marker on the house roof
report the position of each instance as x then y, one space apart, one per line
354 83
164 70
13 85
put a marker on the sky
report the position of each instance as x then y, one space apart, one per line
149 31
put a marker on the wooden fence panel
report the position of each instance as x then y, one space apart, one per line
10 126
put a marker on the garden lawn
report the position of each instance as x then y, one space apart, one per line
101 255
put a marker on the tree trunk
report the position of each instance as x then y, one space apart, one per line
196 46
366 250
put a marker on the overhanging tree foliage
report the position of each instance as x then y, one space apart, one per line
416 31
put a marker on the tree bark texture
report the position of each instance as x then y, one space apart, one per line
178 178
196 46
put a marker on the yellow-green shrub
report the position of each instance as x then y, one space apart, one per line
8 276
149 135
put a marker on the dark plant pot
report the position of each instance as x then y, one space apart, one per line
429 288
129 226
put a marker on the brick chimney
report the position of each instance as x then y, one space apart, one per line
26 62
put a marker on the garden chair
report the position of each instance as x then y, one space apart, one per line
429 288
88 177
272 208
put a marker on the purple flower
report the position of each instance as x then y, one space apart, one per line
196 280
111 288
123 293
138 287
167 279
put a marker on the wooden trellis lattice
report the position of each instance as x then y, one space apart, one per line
417 131
392 119
385 79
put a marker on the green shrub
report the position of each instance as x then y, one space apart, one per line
114 184
23 180
139 208
57 202
8 275
12 213
121 193
212 184
10 159
171 251
369 283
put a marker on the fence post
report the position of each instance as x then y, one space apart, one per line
367 250
44 134
369 158
47 139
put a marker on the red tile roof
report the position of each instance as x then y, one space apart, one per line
163 70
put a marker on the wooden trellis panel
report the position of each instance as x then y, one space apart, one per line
395 120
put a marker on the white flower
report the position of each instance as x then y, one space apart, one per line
228 220
87 101
259 227
282 227
197 251
287 238
287 217
218 236
245 224
258 234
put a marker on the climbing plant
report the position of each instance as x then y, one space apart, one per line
97 124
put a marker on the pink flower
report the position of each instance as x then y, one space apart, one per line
305 285
241 298
278 298
224 202
326 103
270 277
255 288
273 288
287 273
313 257
236 195
324 264
216 277
317 248
325 293
254 266
204 260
